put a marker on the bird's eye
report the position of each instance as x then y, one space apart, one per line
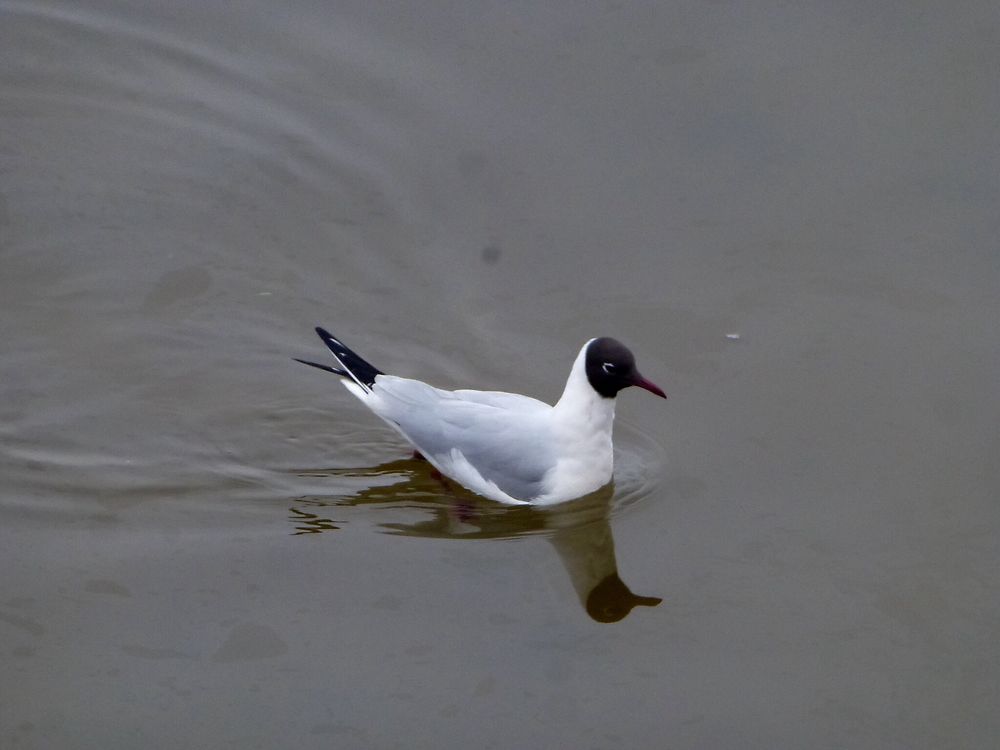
610 368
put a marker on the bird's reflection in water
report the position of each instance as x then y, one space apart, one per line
588 553
579 530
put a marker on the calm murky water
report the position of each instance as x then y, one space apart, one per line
789 213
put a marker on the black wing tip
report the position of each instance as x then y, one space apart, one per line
328 337
355 366
325 368
334 344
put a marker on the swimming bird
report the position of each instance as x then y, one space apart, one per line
504 446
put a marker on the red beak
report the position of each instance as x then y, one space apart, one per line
648 385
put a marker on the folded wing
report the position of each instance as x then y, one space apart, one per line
486 440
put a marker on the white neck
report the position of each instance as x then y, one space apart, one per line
582 421
582 406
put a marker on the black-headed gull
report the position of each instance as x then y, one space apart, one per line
504 446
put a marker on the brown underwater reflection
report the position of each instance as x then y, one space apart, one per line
579 530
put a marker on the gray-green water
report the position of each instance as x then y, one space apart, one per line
790 213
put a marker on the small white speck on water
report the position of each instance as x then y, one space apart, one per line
733 336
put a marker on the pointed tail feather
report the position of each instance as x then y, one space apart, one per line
358 369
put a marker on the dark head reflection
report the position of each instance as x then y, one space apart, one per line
611 600
587 551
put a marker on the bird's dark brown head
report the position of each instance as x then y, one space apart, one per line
611 367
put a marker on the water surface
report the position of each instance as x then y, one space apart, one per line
788 213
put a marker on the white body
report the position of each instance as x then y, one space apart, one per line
506 447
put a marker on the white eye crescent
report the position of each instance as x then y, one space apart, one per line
609 368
